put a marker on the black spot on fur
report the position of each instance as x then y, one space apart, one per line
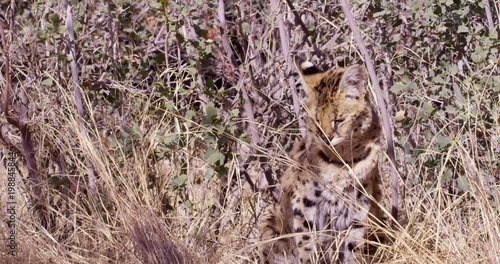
353 82
308 249
360 194
324 157
327 159
307 224
350 246
357 225
365 184
299 230
297 212
307 202
317 193
316 184
302 146
311 70
306 237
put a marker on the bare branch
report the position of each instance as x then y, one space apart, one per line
26 136
78 96
286 51
382 105
489 17
112 38
222 25
304 28
248 108
8 86
247 105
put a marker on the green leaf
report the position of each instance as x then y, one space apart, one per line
458 95
397 88
179 37
170 105
463 29
235 112
443 141
47 82
180 180
246 28
451 109
412 86
200 31
463 183
439 79
190 114
213 157
209 173
212 112
429 109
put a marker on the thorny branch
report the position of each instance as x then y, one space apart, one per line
382 106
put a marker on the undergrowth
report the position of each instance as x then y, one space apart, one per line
187 120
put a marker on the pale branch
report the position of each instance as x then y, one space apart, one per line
222 26
78 96
489 17
382 105
288 60
247 106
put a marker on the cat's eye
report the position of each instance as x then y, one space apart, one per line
337 122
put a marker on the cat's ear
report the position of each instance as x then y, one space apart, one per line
310 75
353 82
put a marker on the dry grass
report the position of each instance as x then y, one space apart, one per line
160 197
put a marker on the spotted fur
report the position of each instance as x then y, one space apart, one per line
334 185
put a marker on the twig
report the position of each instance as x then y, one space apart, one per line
78 96
286 51
382 106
